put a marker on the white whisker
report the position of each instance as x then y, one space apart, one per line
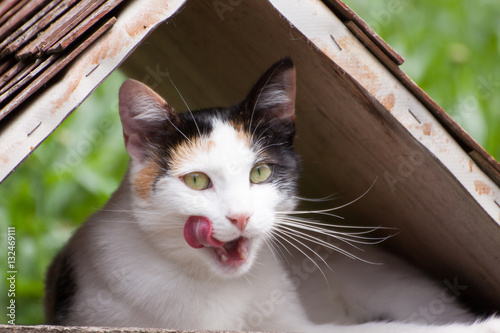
254 130
178 130
327 198
321 242
184 101
272 248
312 226
292 234
334 208
329 245
282 236
282 246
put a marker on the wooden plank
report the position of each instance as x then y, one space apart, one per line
86 24
6 5
12 72
26 26
19 76
362 31
61 96
23 77
58 29
5 65
488 166
485 161
76 329
12 10
370 44
52 70
38 27
20 16
346 14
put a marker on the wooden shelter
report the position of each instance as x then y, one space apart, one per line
360 118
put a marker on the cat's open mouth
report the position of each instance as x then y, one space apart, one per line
198 234
234 251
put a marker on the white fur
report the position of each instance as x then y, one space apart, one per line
134 267
272 96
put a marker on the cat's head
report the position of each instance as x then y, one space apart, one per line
207 185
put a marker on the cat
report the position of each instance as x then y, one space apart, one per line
194 235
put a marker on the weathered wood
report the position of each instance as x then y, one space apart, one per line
10 86
53 69
12 72
346 14
75 329
6 5
39 17
20 16
86 24
18 5
58 29
23 77
5 65
489 165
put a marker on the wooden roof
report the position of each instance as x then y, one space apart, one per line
41 37
359 117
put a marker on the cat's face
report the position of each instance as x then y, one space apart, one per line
207 185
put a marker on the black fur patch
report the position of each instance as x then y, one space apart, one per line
60 290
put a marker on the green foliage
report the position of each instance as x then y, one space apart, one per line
56 189
451 49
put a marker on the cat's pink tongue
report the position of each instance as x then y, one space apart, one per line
198 233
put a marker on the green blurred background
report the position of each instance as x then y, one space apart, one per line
451 49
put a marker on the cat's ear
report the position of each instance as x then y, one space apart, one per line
274 93
143 114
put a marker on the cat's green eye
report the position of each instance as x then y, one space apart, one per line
260 173
197 181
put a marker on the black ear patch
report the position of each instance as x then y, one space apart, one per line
269 109
273 96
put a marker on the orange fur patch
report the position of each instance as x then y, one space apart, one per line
241 133
244 136
144 181
187 150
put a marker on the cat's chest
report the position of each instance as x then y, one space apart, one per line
200 304
209 304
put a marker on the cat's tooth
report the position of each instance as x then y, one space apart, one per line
243 249
244 255
221 252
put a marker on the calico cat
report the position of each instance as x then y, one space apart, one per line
192 237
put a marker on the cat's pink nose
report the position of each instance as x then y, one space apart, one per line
239 220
